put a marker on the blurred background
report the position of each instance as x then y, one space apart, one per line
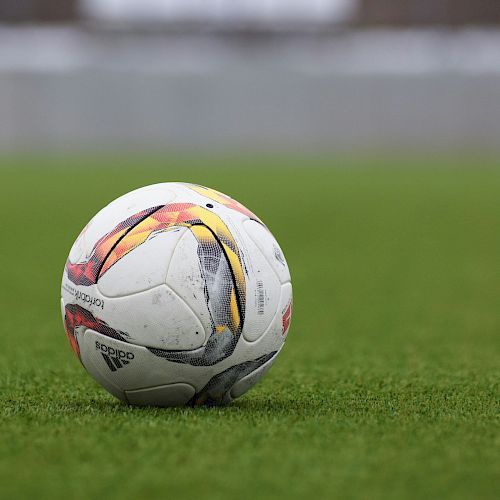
338 75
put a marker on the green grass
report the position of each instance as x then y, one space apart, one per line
388 384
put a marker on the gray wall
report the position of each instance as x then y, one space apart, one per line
353 91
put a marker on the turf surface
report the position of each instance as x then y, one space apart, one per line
388 384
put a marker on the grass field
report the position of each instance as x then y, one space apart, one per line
388 384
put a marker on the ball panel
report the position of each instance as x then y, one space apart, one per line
224 206
263 291
129 367
156 318
185 278
275 335
269 248
79 248
118 211
96 366
217 390
143 268
248 381
164 395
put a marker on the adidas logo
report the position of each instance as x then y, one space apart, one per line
115 358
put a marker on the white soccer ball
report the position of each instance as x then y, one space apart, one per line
176 294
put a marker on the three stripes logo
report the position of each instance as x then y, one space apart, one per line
115 358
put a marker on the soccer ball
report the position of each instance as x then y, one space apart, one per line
176 294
